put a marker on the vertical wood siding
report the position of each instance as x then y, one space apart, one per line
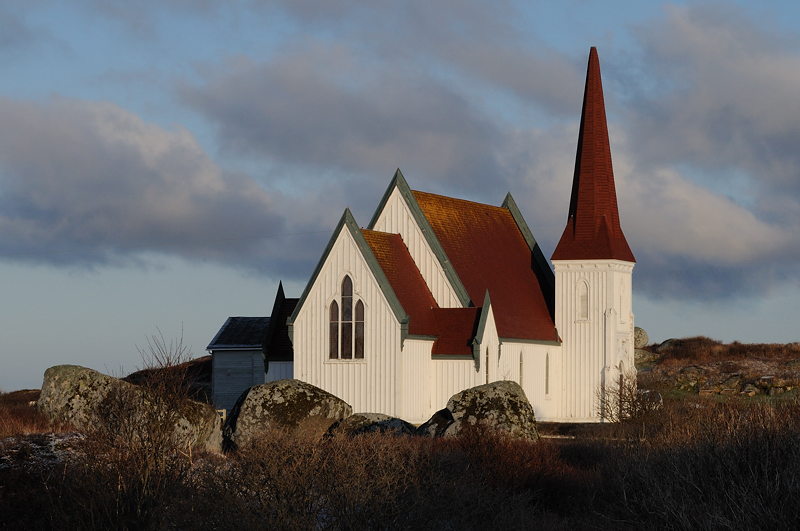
449 377
416 362
232 373
396 218
368 385
591 346
280 370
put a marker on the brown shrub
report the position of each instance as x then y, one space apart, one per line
19 417
721 466
702 349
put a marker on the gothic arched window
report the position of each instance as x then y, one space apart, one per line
333 352
347 318
359 339
343 342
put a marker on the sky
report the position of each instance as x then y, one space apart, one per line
165 163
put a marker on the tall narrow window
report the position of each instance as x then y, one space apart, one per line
547 373
333 347
583 301
346 326
487 365
347 318
359 354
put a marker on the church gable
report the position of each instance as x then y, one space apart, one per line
399 213
348 258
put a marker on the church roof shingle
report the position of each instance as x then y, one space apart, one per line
489 252
593 230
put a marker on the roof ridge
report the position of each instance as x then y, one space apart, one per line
462 200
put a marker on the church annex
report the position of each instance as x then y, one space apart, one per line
440 294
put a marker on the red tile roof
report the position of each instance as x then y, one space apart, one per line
593 230
454 328
457 327
405 279
488 251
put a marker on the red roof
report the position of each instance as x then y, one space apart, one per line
593 230
488 251
454 328
405 279
457 327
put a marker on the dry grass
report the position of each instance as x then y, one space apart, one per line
702 349
18 415
690 465
693 464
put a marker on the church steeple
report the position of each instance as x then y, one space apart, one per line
593 230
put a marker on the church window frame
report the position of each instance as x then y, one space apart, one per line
582 301
346 330
547 374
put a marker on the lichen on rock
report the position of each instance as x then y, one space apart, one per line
285 404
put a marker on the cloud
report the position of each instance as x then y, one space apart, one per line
78 175
323 106
732 97
711 152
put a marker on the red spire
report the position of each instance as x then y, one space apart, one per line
593 229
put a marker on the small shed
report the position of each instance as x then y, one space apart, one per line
237 360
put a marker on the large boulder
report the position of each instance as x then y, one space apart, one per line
640 337
360 423
88 400
499 406
73 394
437 425
284 404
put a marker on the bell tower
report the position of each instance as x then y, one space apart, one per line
593 265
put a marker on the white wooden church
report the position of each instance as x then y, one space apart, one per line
440 294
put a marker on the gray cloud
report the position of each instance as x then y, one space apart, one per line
78 175
709 159
704 140
324 107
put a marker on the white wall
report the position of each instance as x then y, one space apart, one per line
368 385
280 370
416 381
592 346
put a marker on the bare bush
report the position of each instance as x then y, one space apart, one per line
723 466
134 458
622 400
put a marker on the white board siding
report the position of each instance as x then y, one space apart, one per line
589 346
526 364
449 377
280 370
416 358
368 385
232 373
396 218
490 351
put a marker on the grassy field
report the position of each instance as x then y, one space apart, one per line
718 462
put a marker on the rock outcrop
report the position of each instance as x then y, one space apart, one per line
640 337
360 423
286 404
89 399
499 406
